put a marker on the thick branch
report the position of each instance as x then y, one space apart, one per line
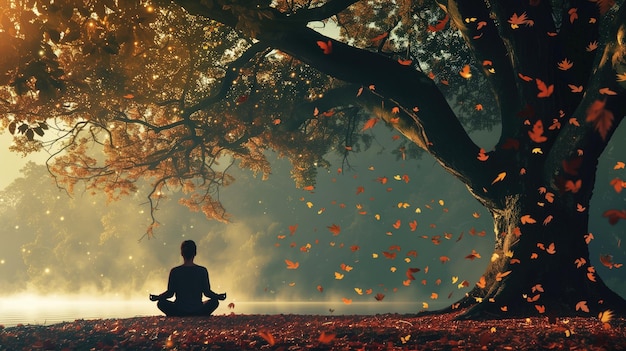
482 37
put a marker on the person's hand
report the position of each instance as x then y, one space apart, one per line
221 296
154 297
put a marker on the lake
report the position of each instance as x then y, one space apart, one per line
46 311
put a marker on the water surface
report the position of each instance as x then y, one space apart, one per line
46 311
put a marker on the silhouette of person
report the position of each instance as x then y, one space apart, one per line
188 282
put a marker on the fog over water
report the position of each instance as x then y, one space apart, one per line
55 246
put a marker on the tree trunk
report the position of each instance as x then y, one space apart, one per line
540 264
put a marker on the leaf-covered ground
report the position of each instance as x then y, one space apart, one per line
316 332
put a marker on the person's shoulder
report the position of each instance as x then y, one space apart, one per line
200 268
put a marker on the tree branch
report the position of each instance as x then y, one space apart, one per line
329 9
484 41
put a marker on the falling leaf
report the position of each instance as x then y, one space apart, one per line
592 46
482 283
370 123
573 14
499 178
619 165
524 77
607 91
614 215
618 184
600 117
527 219
573 186
326 46
565 65
540 308
544 90
605 316
582 306
335 229
536 134
482 156
268 337
291 264
522 19
575 88
501 275
465 72
580 262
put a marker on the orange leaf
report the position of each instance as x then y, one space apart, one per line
482 283
335 229
536 134
397 224
614 215
268 337
370 123
465 72
501 275
482 156
326 338
618 184
326 46
410 271
601 118
291 264
540 308
544 90
573 186
524 78
527 219
379 297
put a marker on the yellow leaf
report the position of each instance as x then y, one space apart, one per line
499 178
605 316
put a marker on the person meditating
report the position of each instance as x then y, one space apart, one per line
188 282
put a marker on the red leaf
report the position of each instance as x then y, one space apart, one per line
601 118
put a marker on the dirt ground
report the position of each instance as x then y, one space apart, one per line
316 332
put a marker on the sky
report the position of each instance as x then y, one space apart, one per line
341 236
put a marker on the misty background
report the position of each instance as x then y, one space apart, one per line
85 245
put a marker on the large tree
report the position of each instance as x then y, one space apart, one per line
120 91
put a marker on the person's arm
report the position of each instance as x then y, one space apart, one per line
207 289
167 293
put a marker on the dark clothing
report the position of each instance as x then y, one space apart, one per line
172 309
189 283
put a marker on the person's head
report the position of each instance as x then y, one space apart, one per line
188 249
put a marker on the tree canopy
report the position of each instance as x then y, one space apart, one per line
178 92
